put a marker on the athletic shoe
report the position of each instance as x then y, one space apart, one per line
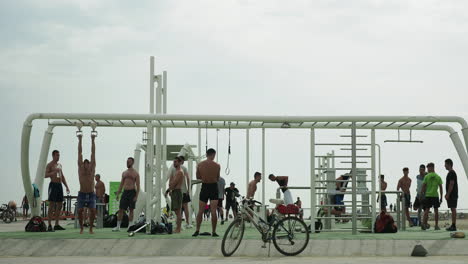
50 229
436 228
58 227
451 228
196 234
188 226
214 235
116 229
222 222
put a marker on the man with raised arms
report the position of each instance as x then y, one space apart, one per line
208 171
55 173
130 184
86 195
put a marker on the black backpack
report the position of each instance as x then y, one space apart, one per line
36 224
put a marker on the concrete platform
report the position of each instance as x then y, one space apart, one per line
212 247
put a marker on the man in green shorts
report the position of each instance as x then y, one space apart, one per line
429 189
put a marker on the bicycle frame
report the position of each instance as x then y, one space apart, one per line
255 219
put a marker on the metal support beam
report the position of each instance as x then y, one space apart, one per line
247 159
354 174
41 168
313 197
373 212
263 166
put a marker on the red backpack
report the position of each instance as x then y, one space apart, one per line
36 224
385 224
288 209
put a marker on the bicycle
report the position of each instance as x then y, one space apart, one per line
289 233
6 214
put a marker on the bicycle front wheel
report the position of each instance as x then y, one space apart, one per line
233 237
290 236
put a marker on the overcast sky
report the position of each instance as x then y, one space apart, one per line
233 57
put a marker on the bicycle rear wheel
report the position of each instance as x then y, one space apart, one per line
232 237
290 236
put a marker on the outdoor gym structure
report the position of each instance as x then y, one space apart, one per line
157 122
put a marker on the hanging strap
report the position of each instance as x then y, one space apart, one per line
228 170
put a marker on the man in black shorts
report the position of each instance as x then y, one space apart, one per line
130 183
231 193
208 171
451 188
57 178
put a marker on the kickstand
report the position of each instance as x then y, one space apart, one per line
269 247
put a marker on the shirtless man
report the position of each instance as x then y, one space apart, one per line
208 171
253 185
404 184
175 189
283 183
383 197
185 190
55 173
131 185
86 195
100 190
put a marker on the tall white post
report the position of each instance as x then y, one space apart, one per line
313 197
354 174
164 130
149 175
158 165
41 168
247 159
374 210
263 166
149 168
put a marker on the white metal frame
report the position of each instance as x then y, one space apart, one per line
158 121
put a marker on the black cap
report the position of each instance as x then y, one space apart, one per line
181 157
232 183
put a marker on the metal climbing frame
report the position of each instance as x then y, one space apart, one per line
157 121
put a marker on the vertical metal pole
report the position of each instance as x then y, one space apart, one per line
373 211
247 159
158 165
263 166
149 175
354 174
217 145
41 168
313 197
199 143
164 130
149 169
151 110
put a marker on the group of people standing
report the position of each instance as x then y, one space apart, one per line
213 191
92 190
429 194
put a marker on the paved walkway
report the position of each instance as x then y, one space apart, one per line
204 260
